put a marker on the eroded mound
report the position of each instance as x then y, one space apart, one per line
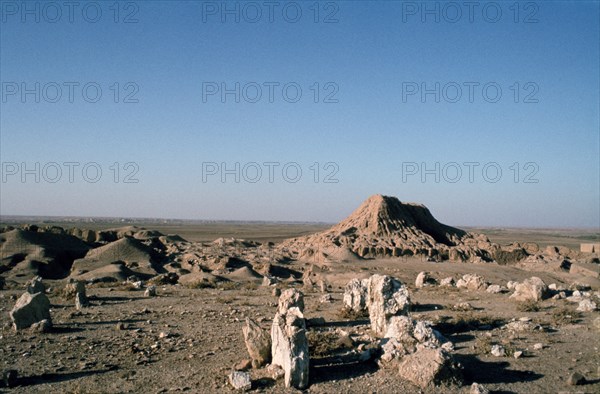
384 226
29 252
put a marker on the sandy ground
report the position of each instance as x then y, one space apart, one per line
190 339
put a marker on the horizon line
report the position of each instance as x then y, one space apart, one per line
82 219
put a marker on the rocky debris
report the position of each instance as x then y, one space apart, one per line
289 347
498 351
150 291
258 343
275 371
576 296
532 289
326 299
165 335
449 282
510 285
587 305
134 282
472 282
386 297
405 336
10 378
290 298
554 287
421 350
269 281
463 307
477 388
576 379
538 346
519 326
41 327
576 286
494 289
240 380
35 285
424 279
561 295
169 278
30 309
429 366
276 292
355 295
518 354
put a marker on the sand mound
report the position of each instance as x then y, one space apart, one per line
135 232
89 236
48 254
171 239
115 272
125 249
243 274
112 235
199 277
136 256
147 234
328 254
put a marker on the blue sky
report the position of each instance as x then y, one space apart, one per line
365 61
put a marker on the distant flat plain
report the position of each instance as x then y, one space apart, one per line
200 231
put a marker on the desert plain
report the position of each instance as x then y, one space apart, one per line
167 302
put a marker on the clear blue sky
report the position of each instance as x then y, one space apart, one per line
372 53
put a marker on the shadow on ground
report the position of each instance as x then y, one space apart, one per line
346 323
427 307
326 373
460 338
56 377
468 323
64 329
493 372
263 383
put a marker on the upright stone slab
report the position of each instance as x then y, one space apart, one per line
258 343
386 297
290 298
355 295
81 301
289 347
75 286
